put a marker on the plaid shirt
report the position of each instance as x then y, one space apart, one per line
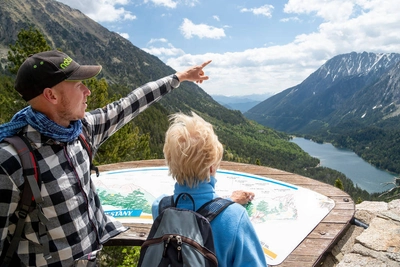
77 223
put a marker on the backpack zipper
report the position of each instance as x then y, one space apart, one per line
166 245
167 240
179 247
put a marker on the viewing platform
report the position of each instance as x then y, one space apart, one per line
310 252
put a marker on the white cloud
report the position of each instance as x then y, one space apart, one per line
102 10
191 3
189 29
290 19
329 10
216 18
164 52
124 34
265 10
159 40
171 3
260 70
166 3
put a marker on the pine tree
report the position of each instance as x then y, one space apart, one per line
10 101
339 184
28 42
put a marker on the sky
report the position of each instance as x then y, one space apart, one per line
256 46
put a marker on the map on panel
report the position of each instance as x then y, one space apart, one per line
282 214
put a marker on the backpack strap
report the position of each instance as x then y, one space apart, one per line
212 208
88 148
168 201
209 210
30 168
165 202
30 194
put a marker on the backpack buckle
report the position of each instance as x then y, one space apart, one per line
22 214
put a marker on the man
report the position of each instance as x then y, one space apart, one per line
51 83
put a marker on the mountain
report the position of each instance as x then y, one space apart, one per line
356 88
242 103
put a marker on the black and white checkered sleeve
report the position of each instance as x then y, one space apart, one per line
104 122
10 167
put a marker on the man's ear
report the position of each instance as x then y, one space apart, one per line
50 95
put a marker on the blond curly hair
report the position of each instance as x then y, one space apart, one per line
191 148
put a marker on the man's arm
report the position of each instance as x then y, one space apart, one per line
102 123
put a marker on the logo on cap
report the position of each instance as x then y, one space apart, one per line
66 63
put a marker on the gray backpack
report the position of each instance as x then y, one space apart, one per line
181 237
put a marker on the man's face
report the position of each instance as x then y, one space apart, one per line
72 102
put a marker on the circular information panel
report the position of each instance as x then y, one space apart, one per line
282 214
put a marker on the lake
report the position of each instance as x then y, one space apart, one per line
362 173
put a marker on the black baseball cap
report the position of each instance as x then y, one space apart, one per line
46 69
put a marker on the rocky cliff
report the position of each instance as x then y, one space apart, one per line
373 241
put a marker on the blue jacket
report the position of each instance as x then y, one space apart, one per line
236 242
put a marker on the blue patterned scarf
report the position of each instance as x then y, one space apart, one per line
42 124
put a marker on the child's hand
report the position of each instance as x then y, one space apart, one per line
242 197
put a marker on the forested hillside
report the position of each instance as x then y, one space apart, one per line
376 143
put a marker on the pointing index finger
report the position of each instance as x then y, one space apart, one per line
205 63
